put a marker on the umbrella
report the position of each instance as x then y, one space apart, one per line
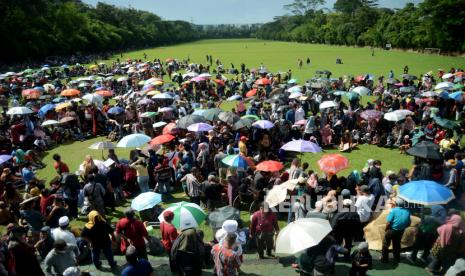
145 102
425 192
149 114
188 120
198 79
262 81
49 123
121 79
428 94
371 114
458 86
295 95
163 96
425 149
102 145
269 166
251 116
93 98
115 110
302 234
216 218
301 146
333 163
104 93
444 86
186 215
338 92
292 81
245 122
205 75
234 98
162 139
49 86
276 195
295 89
198 112
62 106
4 158
212 114
31 93
301 122
159 124
165 109
328 104
169 128
199 127
133 140
251 93
263 124
19 110
228 117
70 92
235 160
290 184
458 96
447 76
145 201
67 119
361 90
445 123
397 115
46 108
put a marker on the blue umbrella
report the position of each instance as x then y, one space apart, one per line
4 158
145 201
115 110
235 161
46 108
425 192
444 95
133 140
458 96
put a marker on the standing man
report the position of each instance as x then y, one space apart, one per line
132 232
263 227
397 221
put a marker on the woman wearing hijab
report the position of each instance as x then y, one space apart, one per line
446 247
45 244
97 232
187 253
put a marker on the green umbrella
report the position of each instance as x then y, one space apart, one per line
247 122
186 215
352 96
253 117
458 86
212 114
445 123
149 114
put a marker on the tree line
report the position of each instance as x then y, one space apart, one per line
430 24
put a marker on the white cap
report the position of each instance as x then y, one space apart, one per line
230 226
63 221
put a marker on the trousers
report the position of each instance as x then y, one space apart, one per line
264 241
394 236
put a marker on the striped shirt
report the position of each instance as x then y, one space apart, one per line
227 261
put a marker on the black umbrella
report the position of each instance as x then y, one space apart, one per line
218 216
245 122
228 117
425 149
212 114
188 120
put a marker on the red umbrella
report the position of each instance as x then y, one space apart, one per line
269 166
262 81
161 139
219 82
333 163
169 128
104 93
31 93
70 92
251 93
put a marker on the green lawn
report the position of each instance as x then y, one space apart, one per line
282 56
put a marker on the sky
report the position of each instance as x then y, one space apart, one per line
222 11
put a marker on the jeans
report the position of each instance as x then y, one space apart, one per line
106 249
143 182
395 237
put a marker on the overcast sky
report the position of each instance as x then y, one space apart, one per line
222 11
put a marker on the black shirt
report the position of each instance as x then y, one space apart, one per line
98 235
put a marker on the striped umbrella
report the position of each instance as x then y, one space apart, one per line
333 163
186 215
236 161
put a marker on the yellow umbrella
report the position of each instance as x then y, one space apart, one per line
157 83
62 106
153 92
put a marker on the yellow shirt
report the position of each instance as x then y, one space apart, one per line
243 148
445 144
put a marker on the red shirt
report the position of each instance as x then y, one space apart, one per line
63 167
264 222
45 202
168 235
133 230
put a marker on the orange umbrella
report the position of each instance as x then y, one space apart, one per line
104 93
269 166
263 81
161 139
219 82
31 93
333 163
251 93
70 92
169 128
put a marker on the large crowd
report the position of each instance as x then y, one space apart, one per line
47 107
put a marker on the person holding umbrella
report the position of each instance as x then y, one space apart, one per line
263 227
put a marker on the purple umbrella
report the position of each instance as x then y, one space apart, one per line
371 114
198 79
301 146
263 124
4 158
199 127
145 101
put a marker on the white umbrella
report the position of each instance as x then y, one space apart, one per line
19 110
190 75
361 90
121 79
205 75
447 76
290 184
102 145
428 94
327 104
50 122
93 98
444 85
162 96
302 234
49 86
165 109
133 140
159 124
276 195
295 89
295 95
397 115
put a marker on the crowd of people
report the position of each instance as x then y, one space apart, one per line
44 108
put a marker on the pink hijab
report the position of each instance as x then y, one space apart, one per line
454 223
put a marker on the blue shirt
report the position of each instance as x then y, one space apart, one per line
290 115
399 218
142 268
28 174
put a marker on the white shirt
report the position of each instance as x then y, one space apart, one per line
363 205
65 235
299 114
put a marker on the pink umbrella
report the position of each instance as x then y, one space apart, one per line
198 79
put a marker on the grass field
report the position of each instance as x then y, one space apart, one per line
281 56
